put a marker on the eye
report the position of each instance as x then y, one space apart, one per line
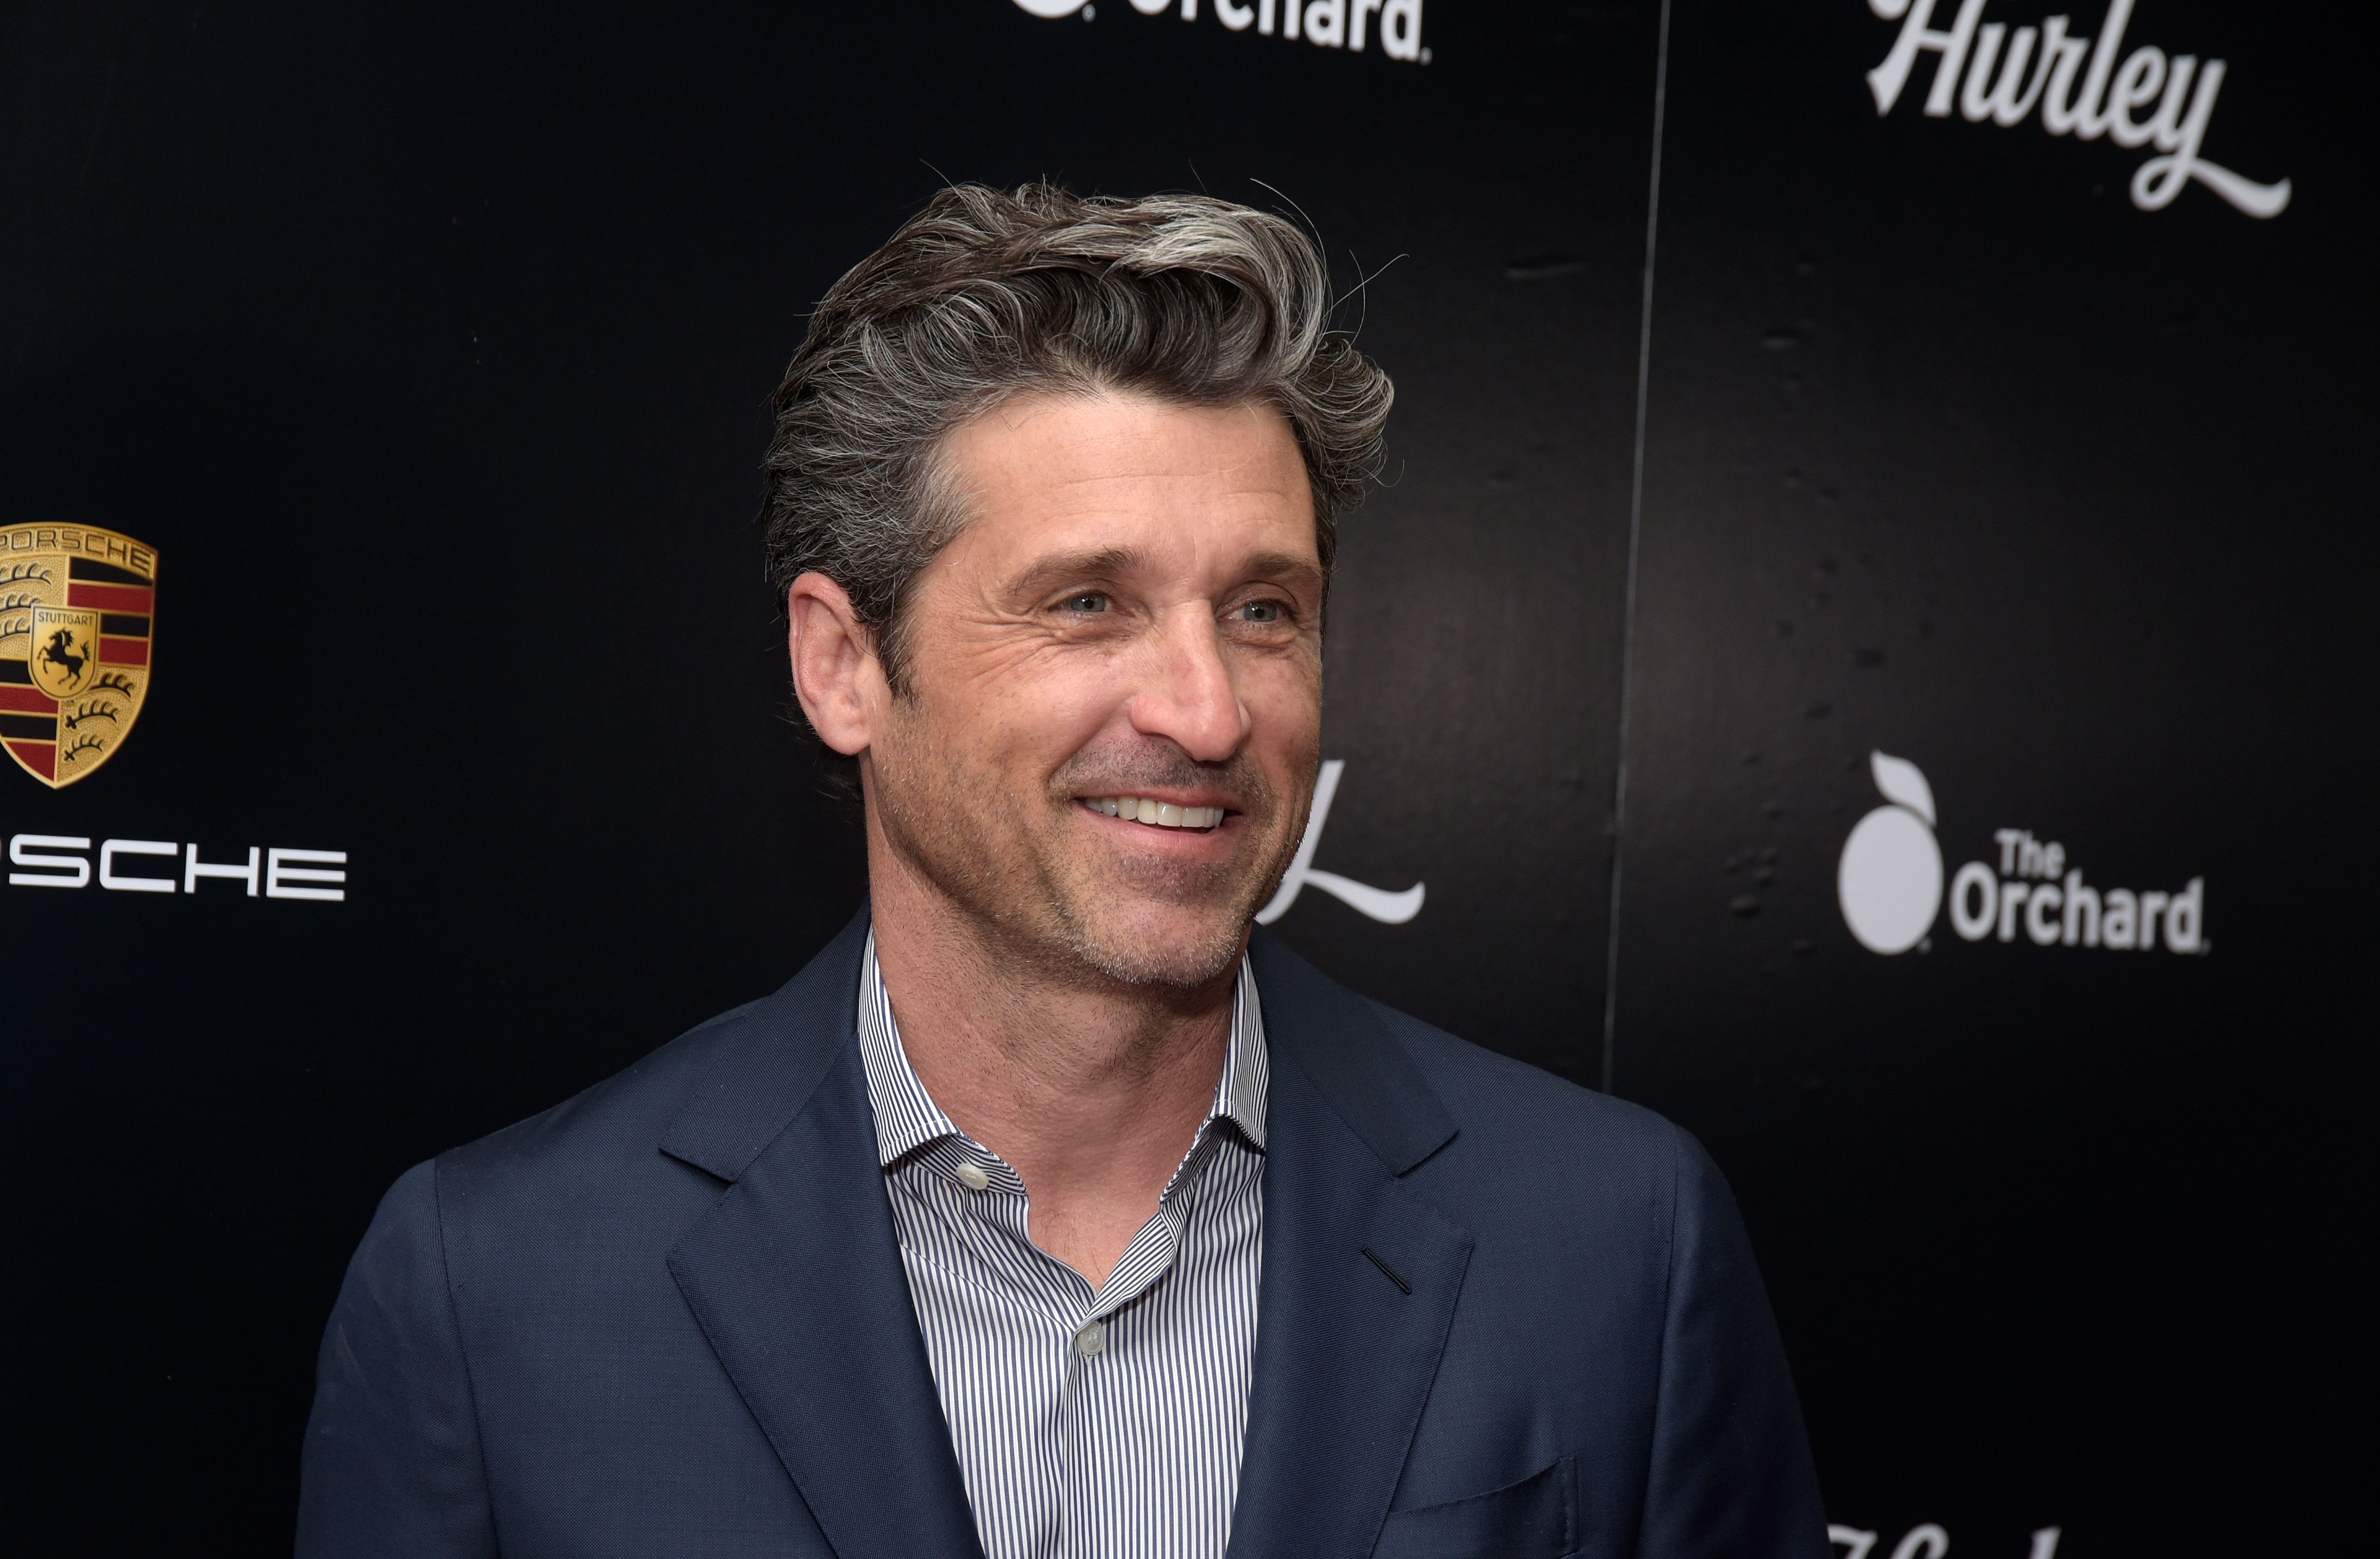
1261 611
1088 602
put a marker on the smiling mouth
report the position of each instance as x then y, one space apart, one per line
1156 813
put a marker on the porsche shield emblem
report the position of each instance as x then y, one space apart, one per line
77 617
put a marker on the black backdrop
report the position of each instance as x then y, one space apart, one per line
429 348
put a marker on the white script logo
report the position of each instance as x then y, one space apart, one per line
1889 884
2107 101
1393 909
1928 1541
1329 24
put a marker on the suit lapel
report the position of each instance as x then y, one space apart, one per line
795 1277
1347 1343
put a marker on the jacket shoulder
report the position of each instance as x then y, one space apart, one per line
629 1110
1514 1117
742 1075
1471 1074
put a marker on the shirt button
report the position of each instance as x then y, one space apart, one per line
971 1175
1090 1339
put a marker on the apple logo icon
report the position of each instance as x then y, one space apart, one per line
1891 877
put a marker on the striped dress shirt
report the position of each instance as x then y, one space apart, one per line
1088 1424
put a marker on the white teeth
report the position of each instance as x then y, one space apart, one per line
1162 815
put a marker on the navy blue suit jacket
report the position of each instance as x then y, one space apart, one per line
668 1318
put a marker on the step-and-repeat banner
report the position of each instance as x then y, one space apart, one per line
1854 650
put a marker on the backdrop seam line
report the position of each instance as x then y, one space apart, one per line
1635 533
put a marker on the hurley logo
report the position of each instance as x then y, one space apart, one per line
2150 99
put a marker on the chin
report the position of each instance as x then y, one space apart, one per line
1161 950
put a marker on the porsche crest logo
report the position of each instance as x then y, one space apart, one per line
77 616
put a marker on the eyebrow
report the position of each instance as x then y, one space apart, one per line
1110 562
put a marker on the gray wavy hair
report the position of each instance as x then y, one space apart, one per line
987 294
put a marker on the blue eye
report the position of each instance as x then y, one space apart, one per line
1090 600
1261 611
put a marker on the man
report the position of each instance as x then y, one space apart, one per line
1046 1211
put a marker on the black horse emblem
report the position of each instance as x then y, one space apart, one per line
59 652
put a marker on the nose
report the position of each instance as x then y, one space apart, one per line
1187 693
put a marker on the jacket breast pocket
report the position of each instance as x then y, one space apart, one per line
1535 1518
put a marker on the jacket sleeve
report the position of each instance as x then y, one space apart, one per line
1731 1476
391 1461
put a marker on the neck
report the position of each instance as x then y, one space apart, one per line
1090 1088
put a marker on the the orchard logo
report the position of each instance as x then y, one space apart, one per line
1890 876
1395 25
1889 883
2151 100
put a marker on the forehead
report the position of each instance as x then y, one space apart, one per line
1047 471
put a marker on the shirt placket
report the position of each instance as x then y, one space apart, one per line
1092 1511
1097 1510
995 1215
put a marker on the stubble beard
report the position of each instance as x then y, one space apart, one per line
1113 950
1056 908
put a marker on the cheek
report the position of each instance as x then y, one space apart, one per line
1283 695
1040 712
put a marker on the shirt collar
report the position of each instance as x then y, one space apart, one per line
907 1119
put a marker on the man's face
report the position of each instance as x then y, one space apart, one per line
1133 611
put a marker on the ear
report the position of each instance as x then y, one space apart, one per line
836 674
